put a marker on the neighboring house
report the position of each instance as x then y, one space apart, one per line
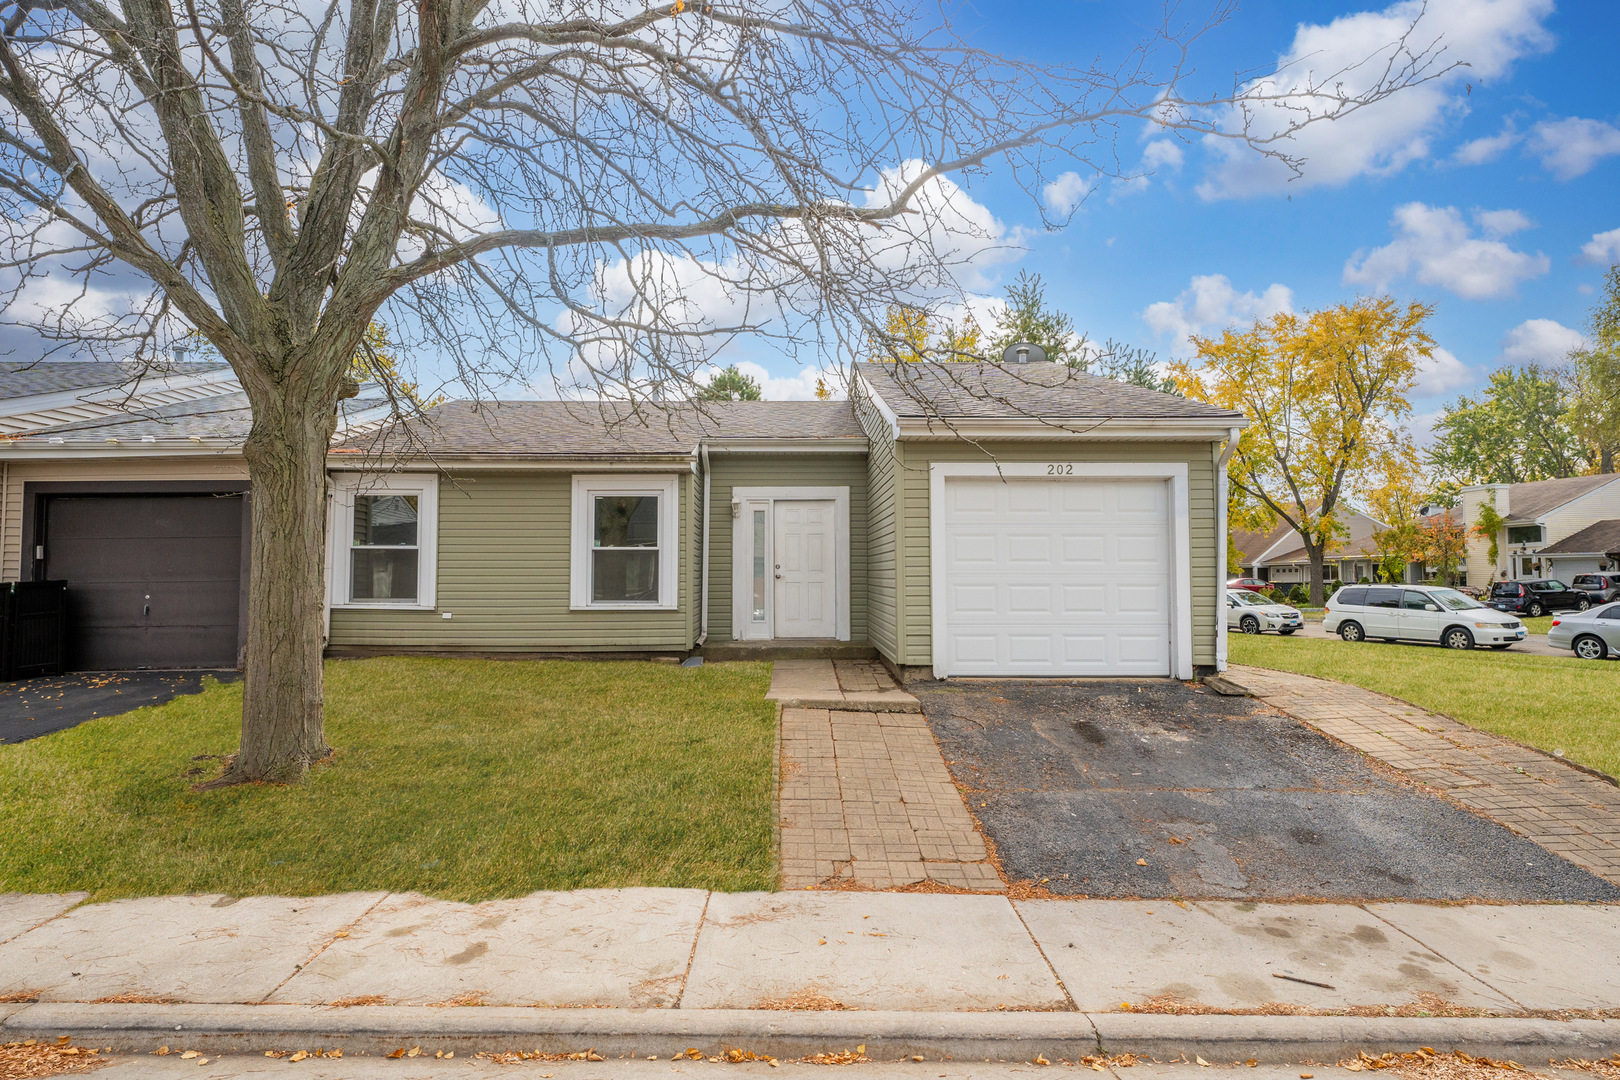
132 487
960 519
1280 554
1540 518
1593 550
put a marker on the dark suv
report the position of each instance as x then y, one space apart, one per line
1537 598
1600 587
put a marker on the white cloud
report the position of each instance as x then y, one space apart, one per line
1435 245
1210 303
1603 248
1162 154
1489 148
1442 373
1383 138
1503 222
1570 147
1064 195
1539 341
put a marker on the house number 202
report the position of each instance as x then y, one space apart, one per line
1060 470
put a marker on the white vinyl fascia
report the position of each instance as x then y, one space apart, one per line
1175 472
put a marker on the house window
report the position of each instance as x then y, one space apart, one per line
624 541
384 561
385 530
759 566
1524 534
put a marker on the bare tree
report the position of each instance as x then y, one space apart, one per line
527 186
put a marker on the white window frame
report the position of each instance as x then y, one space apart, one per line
666 486
746 500
345 487
1173 473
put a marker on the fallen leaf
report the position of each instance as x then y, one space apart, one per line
397 1053
272 1053
1141 862
1040 1060
189 1054
162 1051
1252 1062
1307 1076
300 1056
1201 1061
202 1061
414 1051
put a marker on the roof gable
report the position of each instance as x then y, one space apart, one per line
1531 500
1598 538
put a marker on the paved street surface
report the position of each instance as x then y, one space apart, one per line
1534 644
1154 788
30 708
1571 813
691 950
171 1067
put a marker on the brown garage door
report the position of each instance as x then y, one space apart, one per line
154 581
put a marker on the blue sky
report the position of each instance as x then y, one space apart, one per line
1476 194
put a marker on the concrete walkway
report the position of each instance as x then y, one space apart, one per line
851 685
1571 813
694 951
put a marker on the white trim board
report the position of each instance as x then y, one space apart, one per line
742 548
1175 473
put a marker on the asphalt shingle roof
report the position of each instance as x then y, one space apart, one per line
1531 500
570 428
54 376
986 391
1601 537
225 416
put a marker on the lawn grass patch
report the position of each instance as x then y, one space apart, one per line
1545 701
462 779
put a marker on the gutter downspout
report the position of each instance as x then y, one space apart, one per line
1221 539
703 610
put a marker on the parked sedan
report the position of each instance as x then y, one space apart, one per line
1602 588
1591 635
1254 614
1394 613
1249 584
1537 598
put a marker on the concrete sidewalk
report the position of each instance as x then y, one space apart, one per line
690 950
846 685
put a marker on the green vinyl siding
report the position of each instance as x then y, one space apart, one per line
784 470
914 598
882 536
503 574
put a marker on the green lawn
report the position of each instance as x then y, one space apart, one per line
463 779
1545 701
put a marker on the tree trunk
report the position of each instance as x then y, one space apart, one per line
282 730
1318 592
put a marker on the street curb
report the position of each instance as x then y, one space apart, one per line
886 1035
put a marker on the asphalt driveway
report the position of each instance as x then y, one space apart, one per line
30 708
1153 788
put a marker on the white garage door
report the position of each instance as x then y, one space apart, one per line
1056 577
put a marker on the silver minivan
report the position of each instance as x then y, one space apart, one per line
1413 613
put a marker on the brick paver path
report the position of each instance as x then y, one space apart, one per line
1568 812
866 802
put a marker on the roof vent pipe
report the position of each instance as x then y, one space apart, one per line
1023 352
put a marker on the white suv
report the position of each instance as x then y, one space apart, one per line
1396 612
1254 614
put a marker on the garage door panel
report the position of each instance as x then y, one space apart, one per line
153 580
1029 548
1085 593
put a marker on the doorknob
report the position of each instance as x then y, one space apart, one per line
779 575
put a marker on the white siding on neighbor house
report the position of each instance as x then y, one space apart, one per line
1480 569
226 468
1600 505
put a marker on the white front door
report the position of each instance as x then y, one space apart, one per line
803 546
1056 577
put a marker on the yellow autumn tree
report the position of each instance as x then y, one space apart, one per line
913 335
1326 394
